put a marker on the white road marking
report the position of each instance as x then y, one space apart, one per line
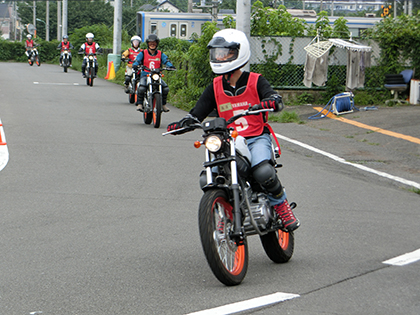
404 259
54 83
4 152
341 160
248 304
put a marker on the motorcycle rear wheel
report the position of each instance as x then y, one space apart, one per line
228 262
279 245
157 109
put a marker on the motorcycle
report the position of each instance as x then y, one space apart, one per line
152 103
34 56
132 86
234 206
65 62
90 68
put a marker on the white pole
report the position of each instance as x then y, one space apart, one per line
58 20
243 19
117 26
64 18
47 21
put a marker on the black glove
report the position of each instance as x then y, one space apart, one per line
172 68
275 102
184 122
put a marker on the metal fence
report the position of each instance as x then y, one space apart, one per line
281 60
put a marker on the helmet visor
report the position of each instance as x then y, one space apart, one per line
221 54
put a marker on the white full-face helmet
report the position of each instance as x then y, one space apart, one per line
89 35
29 36
135 41
229 51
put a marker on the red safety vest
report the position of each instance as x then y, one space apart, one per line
90 48
65 46
30 43
133 54
228 106
152 62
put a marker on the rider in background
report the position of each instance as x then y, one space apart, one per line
87 48
235 91
65 45
131 55
153 59
29 45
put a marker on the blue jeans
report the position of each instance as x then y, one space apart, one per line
261 150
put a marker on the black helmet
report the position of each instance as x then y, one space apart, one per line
65 36
153 38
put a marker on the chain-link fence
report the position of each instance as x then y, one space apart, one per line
281 60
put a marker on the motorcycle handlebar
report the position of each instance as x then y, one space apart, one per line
231 120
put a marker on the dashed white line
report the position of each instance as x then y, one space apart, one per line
404 259
54 83
248 304
343 161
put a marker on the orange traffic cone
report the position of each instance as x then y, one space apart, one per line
109 68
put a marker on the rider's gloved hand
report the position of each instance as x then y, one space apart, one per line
171 68
184 122
274 102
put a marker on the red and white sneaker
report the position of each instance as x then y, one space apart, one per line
290 222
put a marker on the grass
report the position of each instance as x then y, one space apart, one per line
285 117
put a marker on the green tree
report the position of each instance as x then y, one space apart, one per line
399 40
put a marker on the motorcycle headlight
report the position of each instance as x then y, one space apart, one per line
213 143
90 57
155 76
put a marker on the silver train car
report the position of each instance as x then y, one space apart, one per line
183 25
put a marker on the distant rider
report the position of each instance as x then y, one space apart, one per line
29 45
153 59
90 47
65 45
131 55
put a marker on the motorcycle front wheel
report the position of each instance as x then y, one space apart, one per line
147 115
38 63
157 109
89 78
227 260
279 245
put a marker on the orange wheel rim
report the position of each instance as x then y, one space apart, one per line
239 261
234 259
283 239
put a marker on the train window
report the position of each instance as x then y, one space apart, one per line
153 28
183 30
173 30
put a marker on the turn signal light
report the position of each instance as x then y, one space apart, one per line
234 134
197 144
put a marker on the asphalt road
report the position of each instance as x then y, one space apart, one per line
99 211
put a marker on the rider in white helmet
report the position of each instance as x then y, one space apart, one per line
87 48
130 55
29 45
236 90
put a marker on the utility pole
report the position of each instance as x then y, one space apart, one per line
65 23
34 17
58 20
115 57
243 19
190 6
47 21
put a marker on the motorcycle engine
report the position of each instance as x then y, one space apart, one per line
261 212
